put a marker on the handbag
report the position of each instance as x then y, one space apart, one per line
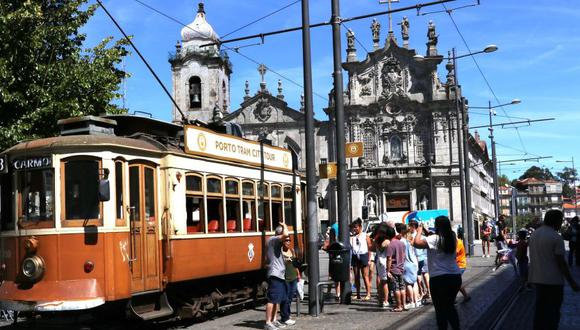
300 288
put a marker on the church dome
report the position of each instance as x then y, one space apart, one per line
199 29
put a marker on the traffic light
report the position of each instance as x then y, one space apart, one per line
365 212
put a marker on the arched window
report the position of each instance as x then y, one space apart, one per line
369 145
194 92
396 148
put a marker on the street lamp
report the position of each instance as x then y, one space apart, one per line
574 184
464 163
493 155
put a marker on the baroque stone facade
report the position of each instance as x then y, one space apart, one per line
395 104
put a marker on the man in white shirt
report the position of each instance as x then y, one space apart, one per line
547 271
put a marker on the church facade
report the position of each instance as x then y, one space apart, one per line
395 104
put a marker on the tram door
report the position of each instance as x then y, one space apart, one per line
144 263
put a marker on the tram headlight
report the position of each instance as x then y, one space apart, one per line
33 268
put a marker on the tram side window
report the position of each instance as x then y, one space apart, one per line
6 205
249 206
277 210
36 189
215 213
264 221
288 213
234 223
81 188
194 204
119 193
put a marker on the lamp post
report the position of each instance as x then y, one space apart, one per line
574 184
493 154
463 147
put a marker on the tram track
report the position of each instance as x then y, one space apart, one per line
405 321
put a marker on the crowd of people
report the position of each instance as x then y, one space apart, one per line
413 265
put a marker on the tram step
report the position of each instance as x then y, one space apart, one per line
151 306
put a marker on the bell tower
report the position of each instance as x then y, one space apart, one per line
200 75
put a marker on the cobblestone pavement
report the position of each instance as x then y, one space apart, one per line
521 315
484 285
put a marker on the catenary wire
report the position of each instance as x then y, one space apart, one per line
233 49
261 18
481 72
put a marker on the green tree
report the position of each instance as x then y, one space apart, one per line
46 74
538 173
504 180
567 176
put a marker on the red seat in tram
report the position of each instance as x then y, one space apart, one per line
213 226
247 224
232 226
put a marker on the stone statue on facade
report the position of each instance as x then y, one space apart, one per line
432 40
392 80
376 31
371 204
405 25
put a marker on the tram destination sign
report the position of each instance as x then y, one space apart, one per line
32 163
201 141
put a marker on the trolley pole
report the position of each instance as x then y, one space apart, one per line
312 208
342 190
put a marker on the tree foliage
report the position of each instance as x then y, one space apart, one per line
504 180
46 74
538 173
567 176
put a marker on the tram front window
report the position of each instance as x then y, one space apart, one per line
36 189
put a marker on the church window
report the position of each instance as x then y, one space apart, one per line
396 148
194 92
369 145
224 96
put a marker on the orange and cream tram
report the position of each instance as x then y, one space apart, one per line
129 211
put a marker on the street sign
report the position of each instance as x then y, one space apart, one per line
354 149
327 171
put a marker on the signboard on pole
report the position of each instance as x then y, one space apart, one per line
354 149
327 171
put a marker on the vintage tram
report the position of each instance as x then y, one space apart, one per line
129 211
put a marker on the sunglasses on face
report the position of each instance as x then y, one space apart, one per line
357 241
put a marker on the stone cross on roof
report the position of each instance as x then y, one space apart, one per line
262 69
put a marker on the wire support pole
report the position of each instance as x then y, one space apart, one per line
494 160
312 208
144 61
298 28
342 189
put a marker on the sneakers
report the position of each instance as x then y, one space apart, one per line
289 322
270 326
279 325
385 305
418 304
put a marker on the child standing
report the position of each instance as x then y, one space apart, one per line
522 257
461 260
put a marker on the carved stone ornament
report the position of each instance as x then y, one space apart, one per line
392 78
440 184
365 87
263 110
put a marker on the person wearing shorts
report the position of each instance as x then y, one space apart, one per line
360 243
276 277
395 268
485 239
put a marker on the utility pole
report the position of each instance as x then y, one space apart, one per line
342 189
312 207
467 179
494 163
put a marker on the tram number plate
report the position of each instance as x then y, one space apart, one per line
3 164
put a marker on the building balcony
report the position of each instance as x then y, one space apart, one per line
388 173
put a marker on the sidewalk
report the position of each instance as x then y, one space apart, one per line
484 285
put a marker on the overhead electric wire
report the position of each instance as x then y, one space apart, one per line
515 149
234 49
472 112
261 18
481 71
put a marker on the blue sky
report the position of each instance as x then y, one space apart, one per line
537 60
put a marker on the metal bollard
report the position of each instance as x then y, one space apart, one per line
318 294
